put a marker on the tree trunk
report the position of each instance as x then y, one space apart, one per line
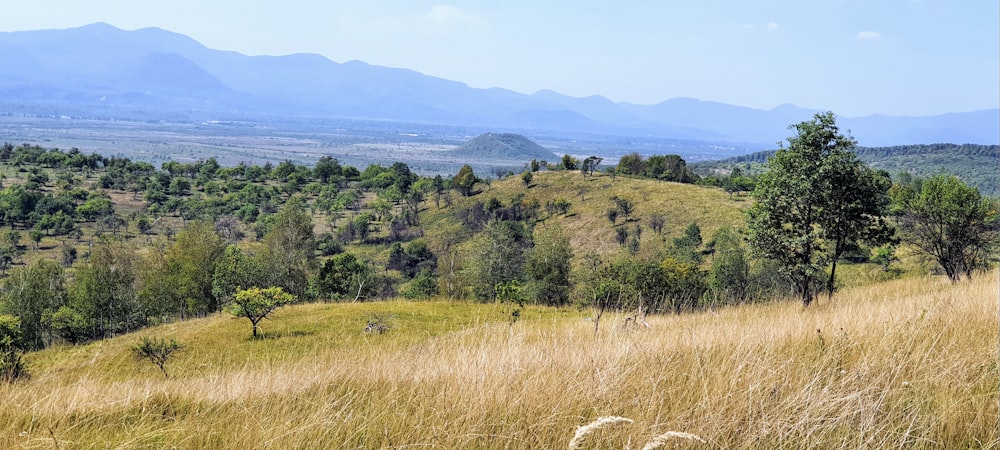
838 249
807 297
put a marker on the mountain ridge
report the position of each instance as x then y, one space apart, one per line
98 61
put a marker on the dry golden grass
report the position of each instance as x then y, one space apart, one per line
908 363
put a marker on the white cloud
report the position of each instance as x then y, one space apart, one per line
869 35
439 20
770 26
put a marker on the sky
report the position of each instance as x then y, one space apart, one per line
854 57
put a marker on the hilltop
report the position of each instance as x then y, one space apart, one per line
586 221
503 146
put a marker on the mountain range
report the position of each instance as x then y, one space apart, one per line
100 71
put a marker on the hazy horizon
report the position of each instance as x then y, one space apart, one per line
900 57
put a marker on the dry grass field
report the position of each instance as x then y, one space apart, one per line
902 364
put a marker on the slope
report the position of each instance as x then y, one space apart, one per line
586 222
901 364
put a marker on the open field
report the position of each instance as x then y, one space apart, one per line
907 363
353 142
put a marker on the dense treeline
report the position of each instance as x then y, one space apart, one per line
972 163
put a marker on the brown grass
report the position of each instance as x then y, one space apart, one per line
907 363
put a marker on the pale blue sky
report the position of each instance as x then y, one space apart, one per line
855 57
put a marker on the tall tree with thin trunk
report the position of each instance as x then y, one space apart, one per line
813 202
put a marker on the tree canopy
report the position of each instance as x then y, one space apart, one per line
814 200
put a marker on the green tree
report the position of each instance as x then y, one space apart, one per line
104 291
511 299
11 348
590 164
465 180
855 209
686 246
255 304
157 351
326 169
730 272
345 276
181 282
497 256
953 224
32 294
569 162
290 248
793 198
236 270
625 207
547 266
36 236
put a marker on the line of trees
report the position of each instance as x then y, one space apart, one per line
816 200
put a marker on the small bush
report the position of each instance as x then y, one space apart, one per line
156 351
11 366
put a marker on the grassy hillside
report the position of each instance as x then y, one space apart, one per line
586 221
900 364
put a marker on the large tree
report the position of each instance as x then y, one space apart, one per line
497 256
289 248
858 202
32 294
951 223
815 199
547 265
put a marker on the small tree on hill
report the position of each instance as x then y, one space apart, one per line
465 180
255 304
590 164
625 207
156 351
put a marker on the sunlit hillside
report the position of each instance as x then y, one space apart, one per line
586 222
908 363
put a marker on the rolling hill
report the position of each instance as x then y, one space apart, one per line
503 146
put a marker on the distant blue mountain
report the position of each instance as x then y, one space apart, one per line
101 71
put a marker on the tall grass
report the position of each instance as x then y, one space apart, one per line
907 363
